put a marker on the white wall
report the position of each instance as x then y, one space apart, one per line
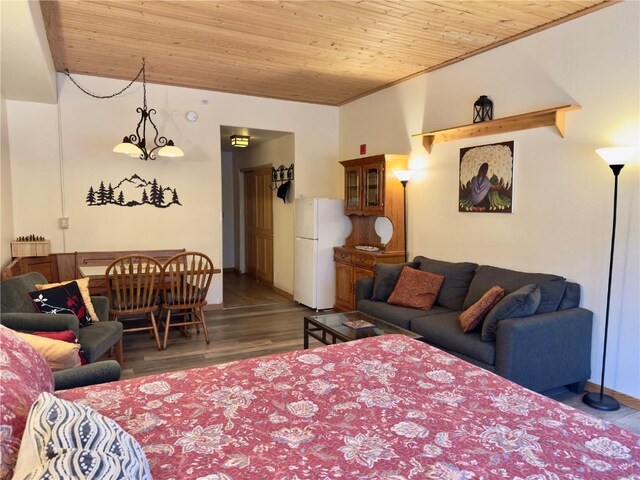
6 203
90 128
279 151
35 170
562 190
27 70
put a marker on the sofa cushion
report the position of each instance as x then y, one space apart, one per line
83 285
68 336
14 293
457 278
571 297
399 316
521 303
64 439
474 315
65 299
98 339
25 375
386 277
487 276
444 331
416 289
551 294
59 355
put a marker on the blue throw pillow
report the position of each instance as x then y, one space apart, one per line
521 303
551 294
63 299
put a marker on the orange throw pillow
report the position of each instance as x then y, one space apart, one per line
474 315
58 354
416 289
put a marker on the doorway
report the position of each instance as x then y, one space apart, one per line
257 226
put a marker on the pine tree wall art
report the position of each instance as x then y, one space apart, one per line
132 192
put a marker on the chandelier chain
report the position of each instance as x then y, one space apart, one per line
102 97
144 85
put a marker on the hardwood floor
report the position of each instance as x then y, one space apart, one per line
240 290
237 333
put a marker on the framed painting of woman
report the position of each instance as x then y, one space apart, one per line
486 178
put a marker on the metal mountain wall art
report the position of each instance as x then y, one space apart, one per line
133 192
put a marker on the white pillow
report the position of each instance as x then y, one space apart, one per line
68 440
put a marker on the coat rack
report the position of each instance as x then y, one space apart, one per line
280 175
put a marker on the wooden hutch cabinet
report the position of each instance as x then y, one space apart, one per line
364 188
371 191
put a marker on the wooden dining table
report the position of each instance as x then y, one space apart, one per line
97 281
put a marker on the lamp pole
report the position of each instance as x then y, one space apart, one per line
615 157
404 194
602 401
404 176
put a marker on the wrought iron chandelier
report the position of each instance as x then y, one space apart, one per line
135 145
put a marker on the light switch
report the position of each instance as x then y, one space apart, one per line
64 222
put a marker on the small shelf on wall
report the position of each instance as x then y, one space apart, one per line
542 118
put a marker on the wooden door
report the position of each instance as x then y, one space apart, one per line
373 188
264 227
352 189
250 223
47 266
259 225
344 287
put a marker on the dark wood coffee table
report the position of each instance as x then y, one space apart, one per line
330 328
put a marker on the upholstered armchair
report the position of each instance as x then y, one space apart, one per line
17 312
85 375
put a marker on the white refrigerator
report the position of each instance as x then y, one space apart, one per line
320 225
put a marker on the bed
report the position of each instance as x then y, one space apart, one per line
386 407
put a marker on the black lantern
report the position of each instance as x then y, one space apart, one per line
482 109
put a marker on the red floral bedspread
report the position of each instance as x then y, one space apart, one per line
381 408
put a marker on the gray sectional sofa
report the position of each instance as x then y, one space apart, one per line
536 336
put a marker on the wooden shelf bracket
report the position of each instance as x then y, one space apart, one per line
542 118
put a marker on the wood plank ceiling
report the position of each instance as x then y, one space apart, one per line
326 52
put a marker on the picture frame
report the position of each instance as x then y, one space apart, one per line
485 181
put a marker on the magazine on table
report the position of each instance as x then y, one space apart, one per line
358 324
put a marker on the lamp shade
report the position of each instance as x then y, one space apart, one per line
127 148
170 150
403 175
616 155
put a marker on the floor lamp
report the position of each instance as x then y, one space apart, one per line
404 176
616 157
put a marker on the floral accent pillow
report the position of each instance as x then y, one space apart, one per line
25 375
83 285
386 277
416 289
474 315
63 299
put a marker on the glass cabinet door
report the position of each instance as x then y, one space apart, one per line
352 188
372 187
